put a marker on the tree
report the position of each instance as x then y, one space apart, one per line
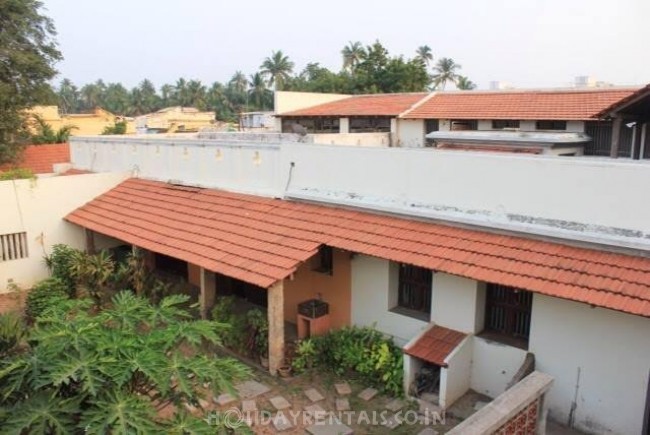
352 55
92 95
68 96
116 99
277 68
150 100
28 53
109 371
425 54
446 70
260 96
465 84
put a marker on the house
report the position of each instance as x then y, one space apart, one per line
410 117
85 123
174 119
483 266
43 159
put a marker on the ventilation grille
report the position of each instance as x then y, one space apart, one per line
13 246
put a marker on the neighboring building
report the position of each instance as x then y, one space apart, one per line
43 159
174 120
84 123
483 266
256 121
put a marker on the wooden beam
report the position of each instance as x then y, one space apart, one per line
275 312
90 241
616 137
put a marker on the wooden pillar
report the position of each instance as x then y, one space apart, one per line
208 292
636 141
616 137
275 312
90 241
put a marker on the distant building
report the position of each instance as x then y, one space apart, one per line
498 85
85 123
252 121
174 120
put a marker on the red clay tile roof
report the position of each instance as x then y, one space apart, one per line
40 158
262 240
623 102
533 105
363 105
435 345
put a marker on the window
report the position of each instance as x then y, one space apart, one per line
414 288
550 125
465 124
500 124
13 246
325 260
311 125
369 125
507 314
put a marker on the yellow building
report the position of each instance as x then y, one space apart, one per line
85 123
174 119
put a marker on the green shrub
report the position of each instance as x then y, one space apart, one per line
16 174
61 263
365 351
12 330
44 295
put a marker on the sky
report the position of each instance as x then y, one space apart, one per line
528 43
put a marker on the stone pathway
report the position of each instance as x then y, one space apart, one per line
395 405
314 395
224 399
280 403
343 388
334 427
248 406
342 404
281 422
368 394
251 389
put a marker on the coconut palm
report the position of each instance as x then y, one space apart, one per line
425 54
277 68
258 92
196 93
352 55
68 95
91 95
446 70
465 84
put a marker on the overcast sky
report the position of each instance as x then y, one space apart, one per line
529 43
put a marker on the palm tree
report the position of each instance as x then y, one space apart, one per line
465 84
167 95
277 68
258 92
91 96
196 94
352 54
425 54
446 70
180 92
239 82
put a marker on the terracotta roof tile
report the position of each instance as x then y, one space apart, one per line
363 105
435 345
228 233
532 105
41 158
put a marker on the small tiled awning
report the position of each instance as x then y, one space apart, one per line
435 345
264 240
362 105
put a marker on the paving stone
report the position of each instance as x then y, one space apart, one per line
428 408
392 422
368 394
428 431
329 427
342 404
395 405
316 411
343 388
281 422
314 395
280 403
224 399
251 389
248 406
204 404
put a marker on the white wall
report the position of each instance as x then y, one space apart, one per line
285 101
575 126
494 364
344 125
456 303
38 207
554 196
351 139
410 133
455 379
374 285
612 352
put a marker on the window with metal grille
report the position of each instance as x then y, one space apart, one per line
550 125
507 312
464 124
311 125
13 246
369 125
414 289
500 124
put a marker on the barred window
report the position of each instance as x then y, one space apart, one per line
13 246
414 290
550 125
507 312
500 124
